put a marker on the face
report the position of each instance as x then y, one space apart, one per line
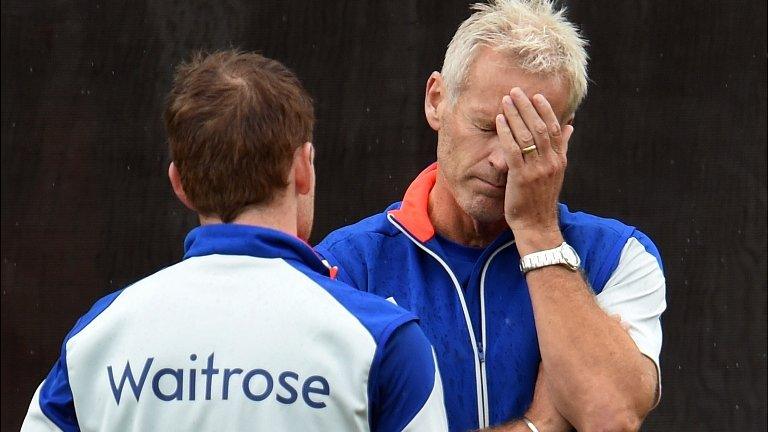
471 162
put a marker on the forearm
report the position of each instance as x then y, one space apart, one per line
597 376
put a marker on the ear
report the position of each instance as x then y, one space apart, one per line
434 95
304 168
178 189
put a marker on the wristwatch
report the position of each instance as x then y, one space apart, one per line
563 255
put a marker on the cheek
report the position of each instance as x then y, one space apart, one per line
452 157
470 150
462 151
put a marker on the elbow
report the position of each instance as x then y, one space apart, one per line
615 424
607 407
611 420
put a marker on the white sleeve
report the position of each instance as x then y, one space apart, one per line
36 420
636 291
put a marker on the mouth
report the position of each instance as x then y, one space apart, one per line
494 188
495 185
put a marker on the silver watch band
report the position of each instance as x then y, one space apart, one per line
563 255
541 259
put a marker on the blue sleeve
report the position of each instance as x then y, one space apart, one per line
56 400
405 380
54 403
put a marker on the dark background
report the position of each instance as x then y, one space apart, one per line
672 139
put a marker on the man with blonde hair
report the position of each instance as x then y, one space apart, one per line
515 291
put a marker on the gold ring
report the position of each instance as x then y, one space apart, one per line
529 149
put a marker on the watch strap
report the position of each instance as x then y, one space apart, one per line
546 258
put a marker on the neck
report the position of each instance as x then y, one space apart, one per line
275 215
451 222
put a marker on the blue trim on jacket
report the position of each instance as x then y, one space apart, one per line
56 399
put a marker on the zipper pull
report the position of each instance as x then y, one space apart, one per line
480 352
332 270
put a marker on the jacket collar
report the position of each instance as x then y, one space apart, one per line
413 214
233 239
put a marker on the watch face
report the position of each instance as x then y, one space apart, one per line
570 255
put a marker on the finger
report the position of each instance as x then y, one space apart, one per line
522 135
547 114
512 153
532 120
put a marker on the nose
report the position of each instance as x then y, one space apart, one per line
496 159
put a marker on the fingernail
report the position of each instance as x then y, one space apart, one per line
507 100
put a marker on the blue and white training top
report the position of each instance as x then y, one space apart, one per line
481 322
247 333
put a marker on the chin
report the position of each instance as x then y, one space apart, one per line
484 209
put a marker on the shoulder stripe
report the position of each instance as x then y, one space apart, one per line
55 396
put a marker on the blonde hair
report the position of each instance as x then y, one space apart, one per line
534 33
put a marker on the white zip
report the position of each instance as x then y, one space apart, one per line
482 392
484 345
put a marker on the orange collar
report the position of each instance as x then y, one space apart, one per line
413 213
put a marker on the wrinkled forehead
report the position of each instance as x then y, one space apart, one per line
492 75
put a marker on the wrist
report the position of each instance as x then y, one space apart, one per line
529 424
530 241
542 424
513 426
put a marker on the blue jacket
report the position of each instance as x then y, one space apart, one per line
485 338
